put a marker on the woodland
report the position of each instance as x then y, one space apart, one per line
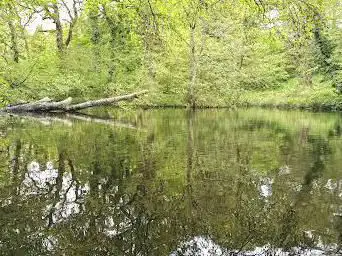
195 53
133 180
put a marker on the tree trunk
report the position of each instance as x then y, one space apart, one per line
59 29
193 67
104 102
73 22
95 39
70 33
149 62
150 33
14 41
113 33
47 105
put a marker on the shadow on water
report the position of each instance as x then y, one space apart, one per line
249 182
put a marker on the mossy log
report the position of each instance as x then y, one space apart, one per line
48 105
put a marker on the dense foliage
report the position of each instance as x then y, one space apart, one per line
195 52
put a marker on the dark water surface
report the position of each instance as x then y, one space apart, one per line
172 182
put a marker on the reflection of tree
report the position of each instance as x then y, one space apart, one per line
242 213
336 130
190 167
57 188
289 236
16 161
148 162
338 228
125 203
294 215
20 214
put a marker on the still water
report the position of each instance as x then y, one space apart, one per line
172 182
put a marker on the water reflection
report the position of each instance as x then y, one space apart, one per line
266 187
250 182
204 246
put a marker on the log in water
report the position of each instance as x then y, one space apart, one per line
48 105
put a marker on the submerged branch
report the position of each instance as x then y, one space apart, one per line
68 119
100 121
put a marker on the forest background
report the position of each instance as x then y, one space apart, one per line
197 53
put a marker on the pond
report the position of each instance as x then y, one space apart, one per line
172 182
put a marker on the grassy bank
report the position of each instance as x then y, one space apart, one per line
292 95
321 96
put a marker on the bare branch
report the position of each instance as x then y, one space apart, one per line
68 10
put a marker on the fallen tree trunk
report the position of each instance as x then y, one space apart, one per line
42 105
47 105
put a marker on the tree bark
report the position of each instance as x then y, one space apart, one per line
47 105
54 15
14 41
44 105
193 67
73 21
113 28
95 39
